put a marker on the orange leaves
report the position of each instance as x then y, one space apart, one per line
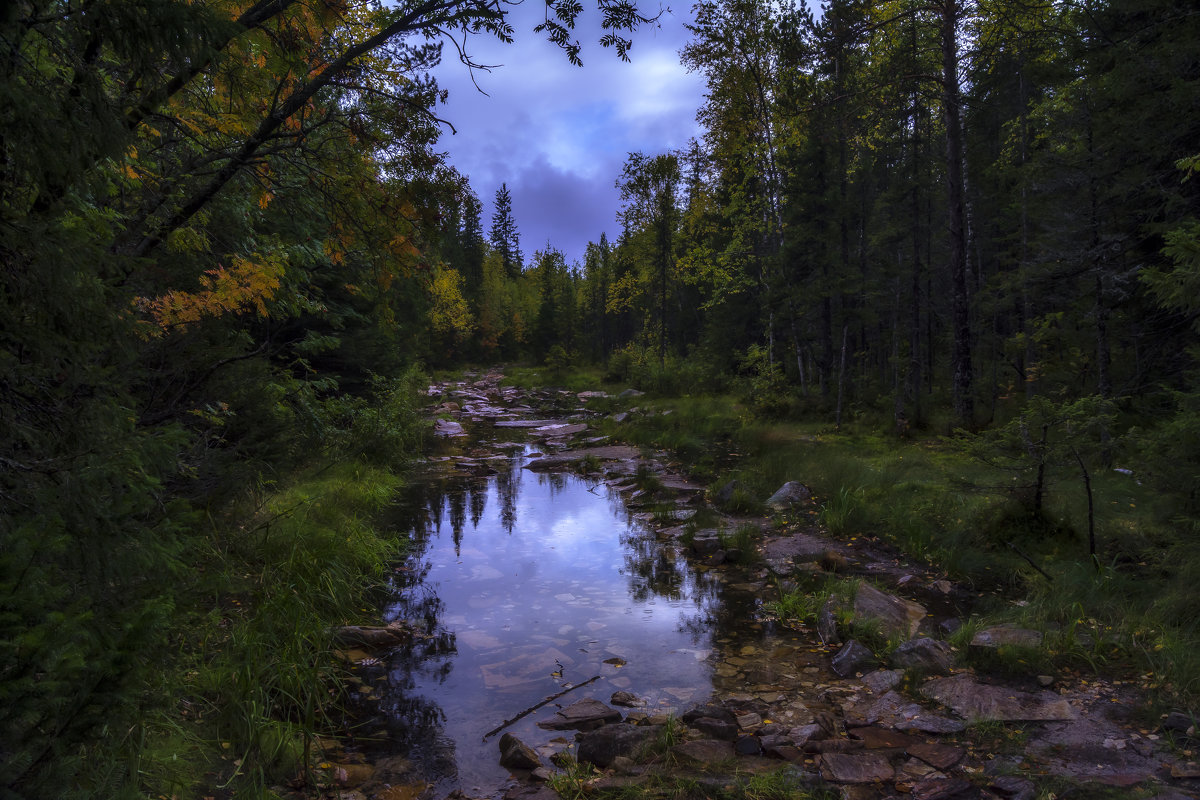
243 286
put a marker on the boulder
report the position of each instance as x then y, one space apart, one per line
711 710
626 699
515 754
881 680
974 700
792 493
584 715
927 655
852 658
628 393
604 745
715 728
895 615
705 542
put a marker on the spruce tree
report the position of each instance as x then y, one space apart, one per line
504 236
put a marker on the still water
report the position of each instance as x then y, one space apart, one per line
527 584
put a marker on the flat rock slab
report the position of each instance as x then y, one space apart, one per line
560 429
585 714
974 700
893 709
528 423
856 768
1006 636
894 614
567 457
448 427
705 751
875 738
941 756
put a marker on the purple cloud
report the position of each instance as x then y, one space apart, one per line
557 134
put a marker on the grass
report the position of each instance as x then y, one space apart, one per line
257 675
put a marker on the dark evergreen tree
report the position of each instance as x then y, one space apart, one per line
504 237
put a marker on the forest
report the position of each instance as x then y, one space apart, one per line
232 251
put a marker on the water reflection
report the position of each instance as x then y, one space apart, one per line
525 584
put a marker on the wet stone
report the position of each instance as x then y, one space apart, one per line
852 658
715 728
856 768
626 699
882 680
515 754
894 614
747 746
712 711
582 715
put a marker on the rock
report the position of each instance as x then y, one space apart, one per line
626 699
706 541
941 756
1177 722
944 789
806 733
894 710
747 746
749 720
715 728
370 636
704 751
1006 635
876 738
1045 681
856 768
628 393
604 745
827 627
620 417
1012 787
448 427
515 754
725 494
949 626
974 700
1185 771
711 710
895 615
833 561
834 746
792 493
584 715
348 776
881 680
927 655
852 658
787 752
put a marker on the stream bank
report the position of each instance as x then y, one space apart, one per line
838 714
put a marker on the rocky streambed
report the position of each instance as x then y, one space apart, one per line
712 689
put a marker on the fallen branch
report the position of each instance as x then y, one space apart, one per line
534 708
1032 563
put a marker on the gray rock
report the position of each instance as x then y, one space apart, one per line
747 746
706 541
515 754
604 745
792 493
711 710
1178 722
628 393
928 655
725 494
1012 787
852 658
949 626
943 788
974 700
1006 635
715 728
584 715
895 615
626 699
940 756
881 680
856 768
704 751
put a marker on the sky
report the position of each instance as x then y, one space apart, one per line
558 135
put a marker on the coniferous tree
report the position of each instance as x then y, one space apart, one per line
504 237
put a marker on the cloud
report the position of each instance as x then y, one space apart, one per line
557 134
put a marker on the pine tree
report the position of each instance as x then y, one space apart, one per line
504 237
